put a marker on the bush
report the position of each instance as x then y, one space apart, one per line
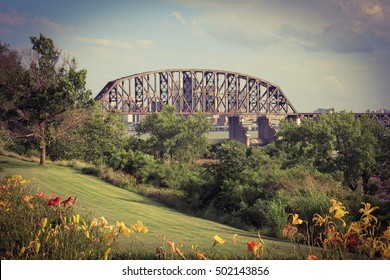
118 179
91 170
276 216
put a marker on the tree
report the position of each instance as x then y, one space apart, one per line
100 135
377 144
338 142
174 136
47 99
310 143
352 153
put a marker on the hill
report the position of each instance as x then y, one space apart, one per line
98 198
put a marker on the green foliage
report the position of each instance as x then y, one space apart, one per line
275 216
337 143
101 137
47 98
310 143
175 137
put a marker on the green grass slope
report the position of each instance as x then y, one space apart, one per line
98 198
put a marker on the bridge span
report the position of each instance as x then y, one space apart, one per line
211 92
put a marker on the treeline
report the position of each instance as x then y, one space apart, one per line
46 110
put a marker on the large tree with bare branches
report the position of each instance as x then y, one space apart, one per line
42 95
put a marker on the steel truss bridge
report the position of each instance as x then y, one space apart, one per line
194 90
211 92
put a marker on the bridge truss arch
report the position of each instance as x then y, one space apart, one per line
207 91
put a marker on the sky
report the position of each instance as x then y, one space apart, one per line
322 53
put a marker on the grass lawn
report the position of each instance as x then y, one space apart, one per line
98 198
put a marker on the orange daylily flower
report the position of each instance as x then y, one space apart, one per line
171 245
200 256
289 230
253 246
178 252
312 257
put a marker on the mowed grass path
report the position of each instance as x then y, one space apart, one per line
98 198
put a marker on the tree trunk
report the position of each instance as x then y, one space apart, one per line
42 160
365 178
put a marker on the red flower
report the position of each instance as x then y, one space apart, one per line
55 201
351 243
69 200
40 194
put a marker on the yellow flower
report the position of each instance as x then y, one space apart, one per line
103 222
200 256
22 250
76 219
296 220
139 227
235 237
27 198
319 220
94 223
366 211
123 229
335 206
355 228
218 240
107 253
339 214
386 234
127 232
44 222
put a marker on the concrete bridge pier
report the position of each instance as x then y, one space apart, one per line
237 131
267 134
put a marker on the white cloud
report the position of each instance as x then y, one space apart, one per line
335 82
58 28
145 43
179 17
104 42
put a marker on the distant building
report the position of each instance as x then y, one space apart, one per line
322 111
